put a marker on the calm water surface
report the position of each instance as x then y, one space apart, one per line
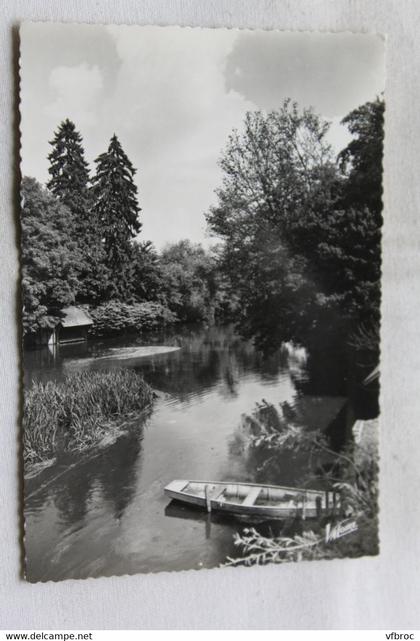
108 514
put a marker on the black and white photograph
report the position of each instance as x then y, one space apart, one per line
201 215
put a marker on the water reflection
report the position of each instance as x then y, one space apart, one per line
71 499
109 515
117 473
210 521
72 484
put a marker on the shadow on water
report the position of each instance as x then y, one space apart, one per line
94 491
108 514
266 527
114 471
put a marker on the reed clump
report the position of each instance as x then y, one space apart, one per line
76 413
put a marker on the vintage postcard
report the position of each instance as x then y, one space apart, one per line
201 216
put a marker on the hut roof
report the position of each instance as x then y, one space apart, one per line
75 317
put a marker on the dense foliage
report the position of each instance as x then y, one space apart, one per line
361 164
115 317
191 285
50 257
69 171
70 183
299 230
301 238
115 207
148 280
89 252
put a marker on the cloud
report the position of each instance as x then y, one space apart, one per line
171 84
333 72
77 92
172 95
44 47
175 119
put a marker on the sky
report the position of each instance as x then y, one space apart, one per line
172 95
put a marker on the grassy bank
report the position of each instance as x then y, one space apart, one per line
77 413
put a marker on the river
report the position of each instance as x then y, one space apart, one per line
108 515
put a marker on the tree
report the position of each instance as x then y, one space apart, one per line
361 160
301 240
271 171
189 282
278 176
148 278
342 236
50 259
361 164
70 184
116 208
69 171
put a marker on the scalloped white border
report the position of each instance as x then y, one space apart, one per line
138 27
369 593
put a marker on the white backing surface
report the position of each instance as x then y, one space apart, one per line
380 592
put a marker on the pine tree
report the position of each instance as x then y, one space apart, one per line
70 184
69 171
116 208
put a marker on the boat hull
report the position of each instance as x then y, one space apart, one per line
261 501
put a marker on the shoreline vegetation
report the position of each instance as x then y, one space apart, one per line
114 318
353 472
78 413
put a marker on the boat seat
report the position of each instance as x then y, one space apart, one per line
252 496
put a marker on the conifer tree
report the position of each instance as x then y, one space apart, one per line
69 182
116 208
69 171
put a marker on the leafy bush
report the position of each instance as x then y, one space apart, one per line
115 317
77 413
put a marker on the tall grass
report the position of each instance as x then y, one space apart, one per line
76 413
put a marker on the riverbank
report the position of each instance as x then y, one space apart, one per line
80 412
354 533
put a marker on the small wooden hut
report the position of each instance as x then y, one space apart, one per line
72 328
74 325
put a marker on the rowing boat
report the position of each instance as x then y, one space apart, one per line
268 501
